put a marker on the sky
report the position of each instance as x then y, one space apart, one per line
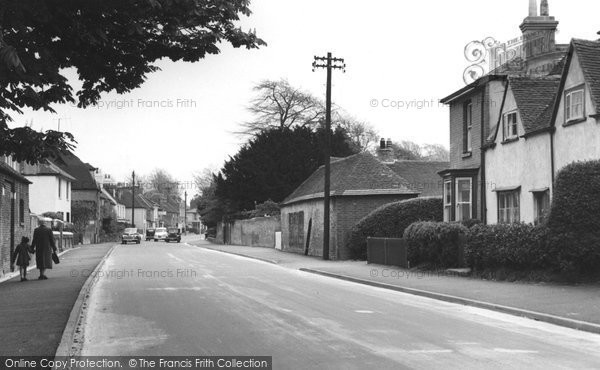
401 57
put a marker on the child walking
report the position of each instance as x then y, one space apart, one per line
21 256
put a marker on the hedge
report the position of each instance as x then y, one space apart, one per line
574 218
390 220
514 246
435 242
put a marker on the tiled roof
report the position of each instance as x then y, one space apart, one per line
534 97
422 176
79 170
589 58
140 202
7 170
45 168
359 174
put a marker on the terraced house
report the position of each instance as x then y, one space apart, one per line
512 130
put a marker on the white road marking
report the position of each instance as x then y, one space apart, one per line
513 351
173 289
427 351
363 311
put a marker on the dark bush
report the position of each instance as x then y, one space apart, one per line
574 220
390 220
434 242
470 222
513 246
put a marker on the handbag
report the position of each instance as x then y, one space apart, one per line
55 258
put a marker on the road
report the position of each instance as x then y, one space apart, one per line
177 299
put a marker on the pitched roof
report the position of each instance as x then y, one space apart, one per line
7 170
422 176
534 97
140 202
45 168
79 170
359 174
589 59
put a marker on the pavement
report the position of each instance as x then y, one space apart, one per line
34 314
573 306
180 300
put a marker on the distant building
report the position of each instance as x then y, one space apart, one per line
50 189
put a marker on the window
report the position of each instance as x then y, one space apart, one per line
468 128
509 126
574 106
464 199
541 205
68 189
10 162
22 212
68 217
59 188
508 207
447 200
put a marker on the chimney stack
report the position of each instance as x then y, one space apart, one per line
386 152
533 8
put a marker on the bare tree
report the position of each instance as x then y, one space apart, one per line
278 105
435 152
362 134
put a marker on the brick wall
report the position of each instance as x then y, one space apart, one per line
21 229
345 213
458 159
256 232
350 210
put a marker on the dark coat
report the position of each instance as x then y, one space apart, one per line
43 242
21 255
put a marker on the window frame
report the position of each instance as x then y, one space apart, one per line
510 130
513 216
568 104
468 127
545 198
447 200
458 203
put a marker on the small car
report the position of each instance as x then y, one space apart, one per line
173 234
160 234
130 235
150 234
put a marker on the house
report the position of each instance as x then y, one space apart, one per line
422 176
14 210
518 152
143 211
193 221
475 110
50 188
85 194
359 184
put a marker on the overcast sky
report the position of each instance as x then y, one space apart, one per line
395 51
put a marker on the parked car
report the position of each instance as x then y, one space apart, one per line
160 234
173 235
150 234
130 235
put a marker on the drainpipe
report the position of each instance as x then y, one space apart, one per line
483 206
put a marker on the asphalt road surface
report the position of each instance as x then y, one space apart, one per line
175 299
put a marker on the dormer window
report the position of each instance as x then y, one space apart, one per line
574 105
509 126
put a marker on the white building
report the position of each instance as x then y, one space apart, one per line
50 190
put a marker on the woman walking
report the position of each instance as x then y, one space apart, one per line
43 242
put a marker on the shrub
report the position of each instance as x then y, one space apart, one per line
434 242
514 246
390 220
470 222
573 220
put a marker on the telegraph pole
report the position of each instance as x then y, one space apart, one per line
329 63
133 199
185 213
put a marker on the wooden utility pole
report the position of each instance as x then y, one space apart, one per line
133 199
329 64
185 213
